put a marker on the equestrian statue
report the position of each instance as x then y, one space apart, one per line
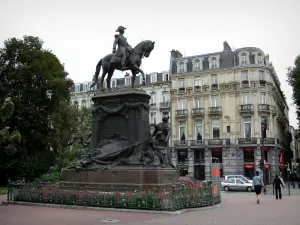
123 58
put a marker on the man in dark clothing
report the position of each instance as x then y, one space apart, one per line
277 183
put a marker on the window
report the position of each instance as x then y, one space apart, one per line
214 79
182 155
247 127
85 87
217 153
259 58
239 181
214 63
199 156
231 181
153 78
153 98
153 117
165 97
262 75
216 128
182 130
165 77
262 119
181 103
199 130
228 129
198 102
263 98
266 155
245 75
198 81
244 58
214 101
246 98
197 65
181 83
127 81
181 67
77 88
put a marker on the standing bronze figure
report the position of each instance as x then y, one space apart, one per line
123 58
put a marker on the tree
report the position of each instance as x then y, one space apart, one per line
294 81
37 82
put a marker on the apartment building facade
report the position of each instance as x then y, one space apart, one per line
218 103
157 86
295 147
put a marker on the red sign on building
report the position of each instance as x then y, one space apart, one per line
267 165
281 158
249 166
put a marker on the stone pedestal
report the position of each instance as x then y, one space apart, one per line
124 176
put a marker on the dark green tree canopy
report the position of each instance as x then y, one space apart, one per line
37 82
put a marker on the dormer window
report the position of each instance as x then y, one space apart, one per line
197 65
259 58
181 67
244 59
214 63
77 88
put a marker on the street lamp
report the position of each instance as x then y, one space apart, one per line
264 128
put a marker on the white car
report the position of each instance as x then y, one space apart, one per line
242 177
236 184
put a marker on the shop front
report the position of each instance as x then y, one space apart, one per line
182 155
249 170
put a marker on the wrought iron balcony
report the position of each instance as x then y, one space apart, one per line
214 87
215 111
198 143
165 105
246 108
181 90
247 141
215 142
197 88
198 112
181 113
180 143
271 141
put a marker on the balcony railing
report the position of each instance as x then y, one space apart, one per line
181 90
215 142
198 112
264 108
165 105
197 88
199 143
246 108
215 110
152 105
180 143
247 140
181 113
271 141
214 87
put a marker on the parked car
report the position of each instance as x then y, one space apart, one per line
242 177
191 181
236 184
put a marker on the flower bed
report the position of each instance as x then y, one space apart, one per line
149 199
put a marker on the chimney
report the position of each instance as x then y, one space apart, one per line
226 47
176 54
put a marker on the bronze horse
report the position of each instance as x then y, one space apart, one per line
110 63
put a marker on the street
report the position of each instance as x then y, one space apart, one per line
238 208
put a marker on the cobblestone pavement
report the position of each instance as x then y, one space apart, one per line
236 209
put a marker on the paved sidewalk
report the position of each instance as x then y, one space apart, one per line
236 209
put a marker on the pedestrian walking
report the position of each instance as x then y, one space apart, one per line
277 184
258 184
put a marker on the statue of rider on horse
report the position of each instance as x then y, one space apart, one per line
123 58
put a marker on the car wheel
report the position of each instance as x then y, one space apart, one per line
226 188
249 189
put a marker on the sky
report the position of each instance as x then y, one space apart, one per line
80 32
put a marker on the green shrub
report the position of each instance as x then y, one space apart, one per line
54 176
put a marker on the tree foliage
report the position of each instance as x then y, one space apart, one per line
37 83
294 81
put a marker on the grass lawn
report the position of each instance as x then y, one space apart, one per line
3 190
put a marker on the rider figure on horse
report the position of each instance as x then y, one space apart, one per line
123 46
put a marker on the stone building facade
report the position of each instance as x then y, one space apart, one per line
157 85
218 103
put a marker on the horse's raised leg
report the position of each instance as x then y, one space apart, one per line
109 76
137 69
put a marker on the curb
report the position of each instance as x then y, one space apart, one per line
178 212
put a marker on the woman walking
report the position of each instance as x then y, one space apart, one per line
258 184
